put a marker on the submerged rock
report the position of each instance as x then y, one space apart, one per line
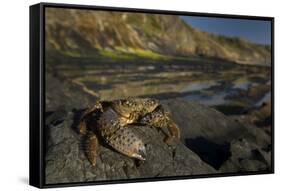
210 143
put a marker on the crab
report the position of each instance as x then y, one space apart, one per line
112 120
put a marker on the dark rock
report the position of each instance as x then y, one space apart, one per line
210 143
217 138
66 162
197 120
246 157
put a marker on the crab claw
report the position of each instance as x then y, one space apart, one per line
141 153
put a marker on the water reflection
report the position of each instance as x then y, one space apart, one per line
199 85
209 84
217 99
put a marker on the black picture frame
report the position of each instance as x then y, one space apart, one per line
37 93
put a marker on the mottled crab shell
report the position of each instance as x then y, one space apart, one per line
137 106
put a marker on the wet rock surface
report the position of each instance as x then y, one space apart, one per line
210 143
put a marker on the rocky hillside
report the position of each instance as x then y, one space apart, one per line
86 32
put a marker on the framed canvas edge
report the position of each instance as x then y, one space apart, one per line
37 89
35 96
156 11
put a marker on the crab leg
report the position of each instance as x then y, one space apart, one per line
174 132
82 126
91 149
161 120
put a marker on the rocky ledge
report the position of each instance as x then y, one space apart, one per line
210 143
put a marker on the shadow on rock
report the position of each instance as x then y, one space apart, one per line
210 152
